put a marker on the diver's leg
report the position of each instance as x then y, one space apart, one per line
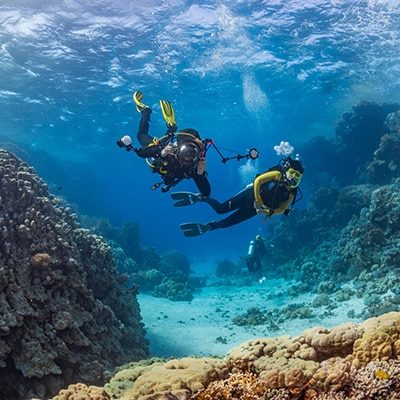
250 263
202 184
242 198
240 215
257 262
143 132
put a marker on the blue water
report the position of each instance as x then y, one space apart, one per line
245 73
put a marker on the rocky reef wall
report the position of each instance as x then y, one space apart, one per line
64 316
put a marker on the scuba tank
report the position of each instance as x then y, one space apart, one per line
252 247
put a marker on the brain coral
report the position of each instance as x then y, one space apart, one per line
82 392
190 374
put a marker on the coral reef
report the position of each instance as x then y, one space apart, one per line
361 252
185 376
63 314
344 160
82 391
166 275
350 361
386 163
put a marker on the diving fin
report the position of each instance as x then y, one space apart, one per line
137 98
168 113
191 229
182 199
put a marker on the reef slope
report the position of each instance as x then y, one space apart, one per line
64 316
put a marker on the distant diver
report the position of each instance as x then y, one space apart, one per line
175 156
273 192
257 250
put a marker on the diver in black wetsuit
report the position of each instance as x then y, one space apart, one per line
272 193
176 156
255 254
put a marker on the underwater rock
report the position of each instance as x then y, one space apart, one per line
41 260
358 134
386 163
226 267
166 275
63 314
393 122
253 316
350 361
172 290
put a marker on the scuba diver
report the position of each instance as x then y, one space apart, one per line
272 192
257 250
175 156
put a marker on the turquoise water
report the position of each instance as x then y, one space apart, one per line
245 73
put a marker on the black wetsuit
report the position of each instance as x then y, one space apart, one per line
175 171
273 195
254 260
243 203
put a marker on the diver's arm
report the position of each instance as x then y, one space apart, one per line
259 181
147 152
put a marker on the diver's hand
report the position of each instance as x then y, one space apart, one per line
262 209
201 167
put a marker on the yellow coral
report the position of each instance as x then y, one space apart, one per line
373 346
80 391
192 374
333 374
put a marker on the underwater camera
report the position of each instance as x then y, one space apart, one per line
125 142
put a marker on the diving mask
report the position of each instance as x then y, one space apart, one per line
293 177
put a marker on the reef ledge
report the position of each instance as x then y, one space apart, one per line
350 361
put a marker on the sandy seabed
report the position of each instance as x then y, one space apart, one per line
204 325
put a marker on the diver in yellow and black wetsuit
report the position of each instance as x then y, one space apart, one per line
272 193
176 156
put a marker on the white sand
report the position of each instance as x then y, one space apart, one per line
191 328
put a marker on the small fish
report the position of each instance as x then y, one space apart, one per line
381 374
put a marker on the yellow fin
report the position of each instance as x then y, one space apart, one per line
168 113
137 98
